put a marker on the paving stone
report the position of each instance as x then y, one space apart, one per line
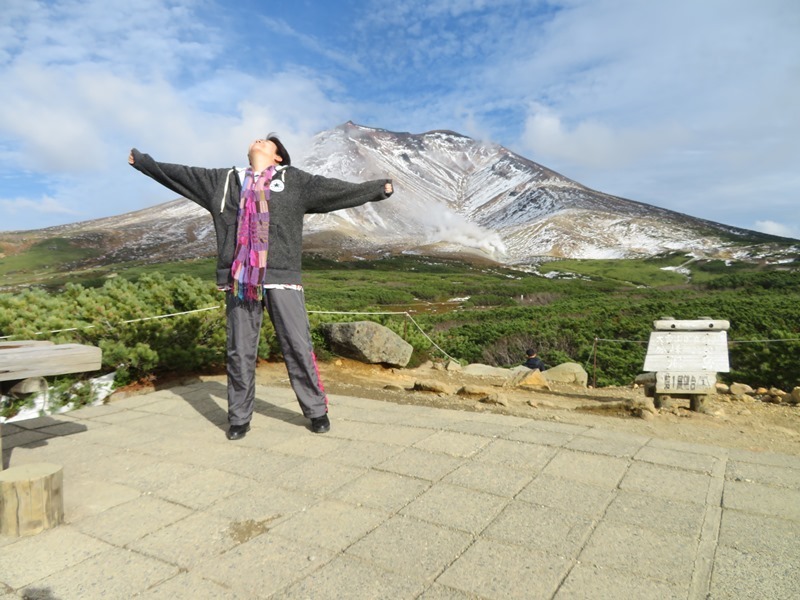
442 592
567 495
689 461
742 575
452 443
658 555
484 428
489 477
530 458
590 582
361 580
659 514
190 585
315 447
86 497
330 524
30 559
765 458
540 436
363 454
125 523
704 449
260 504
758 534
556 427
768 474
385 434
665 482
264 565
203 487
316 477
388 492
124 574
420 463
256 465
496 571
541 528
762 499
456 507
191 540
24 437
411 547
121 437
595 469
612 447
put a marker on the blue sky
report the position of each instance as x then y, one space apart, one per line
689 105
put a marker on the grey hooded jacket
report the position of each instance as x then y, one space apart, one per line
218 191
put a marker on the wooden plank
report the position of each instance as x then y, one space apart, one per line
21 343
42 361
687 351
691 325
686 382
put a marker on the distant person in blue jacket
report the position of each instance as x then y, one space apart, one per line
534 362
258 219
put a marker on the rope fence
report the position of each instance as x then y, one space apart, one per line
218 306
406 315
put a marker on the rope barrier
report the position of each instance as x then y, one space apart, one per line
199 310
186 312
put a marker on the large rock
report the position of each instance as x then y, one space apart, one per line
567 373
528 378
794 396
740 389
368 342
485 370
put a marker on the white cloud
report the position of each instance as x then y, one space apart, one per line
781 229
44 206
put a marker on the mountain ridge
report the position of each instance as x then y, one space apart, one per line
453 194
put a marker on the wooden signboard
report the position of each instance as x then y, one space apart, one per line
685 382
687 352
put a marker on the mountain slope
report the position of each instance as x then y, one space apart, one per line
453 194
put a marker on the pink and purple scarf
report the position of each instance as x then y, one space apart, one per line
252 239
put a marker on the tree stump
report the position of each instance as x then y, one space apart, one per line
31 499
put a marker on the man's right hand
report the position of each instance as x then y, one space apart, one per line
130 158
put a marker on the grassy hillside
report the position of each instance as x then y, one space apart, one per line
591 312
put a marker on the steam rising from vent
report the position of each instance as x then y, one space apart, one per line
449 227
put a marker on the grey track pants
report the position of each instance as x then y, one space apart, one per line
287 312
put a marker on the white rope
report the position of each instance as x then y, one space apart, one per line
186 312
199 310
404 313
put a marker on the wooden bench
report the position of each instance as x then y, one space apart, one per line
31 496
28 358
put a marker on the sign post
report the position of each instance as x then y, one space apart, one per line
686 356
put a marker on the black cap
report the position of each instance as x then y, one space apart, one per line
286 160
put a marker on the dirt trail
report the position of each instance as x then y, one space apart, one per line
751 425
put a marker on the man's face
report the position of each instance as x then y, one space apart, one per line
264 149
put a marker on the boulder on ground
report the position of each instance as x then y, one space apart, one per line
496 399
479 369
368 342
794 396
567 373
433 386
528 378
475 390
740 389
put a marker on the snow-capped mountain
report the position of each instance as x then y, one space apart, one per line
452 194
455 193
